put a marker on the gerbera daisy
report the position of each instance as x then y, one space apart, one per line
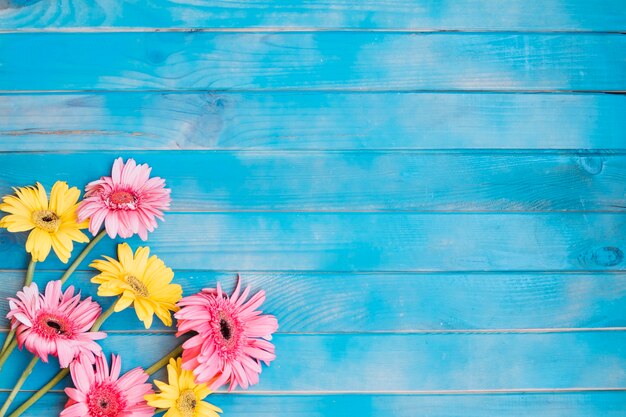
128 202
55 323
53 224
232 336
182 397
103 393
141 280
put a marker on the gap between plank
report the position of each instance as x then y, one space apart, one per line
356 272
292 29
409 392
400 332
314 90
308 152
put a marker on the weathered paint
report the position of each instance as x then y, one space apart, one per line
437 218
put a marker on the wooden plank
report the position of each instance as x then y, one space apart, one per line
355 181
578 404
312 61
391 363
283 120
374 242
398 302
329 14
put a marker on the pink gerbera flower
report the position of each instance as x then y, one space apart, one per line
232 336
55 323
102 393
128 202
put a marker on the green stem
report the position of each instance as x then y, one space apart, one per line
18 385
29 273
36 396
27 281
82 255
98 323
165 360
63 373
7 341
5 355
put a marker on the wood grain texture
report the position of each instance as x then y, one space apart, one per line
579 404
397 302
312 61
328 14
306 120
437 217
353 181
390 363
374 242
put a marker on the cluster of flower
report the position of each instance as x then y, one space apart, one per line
229 337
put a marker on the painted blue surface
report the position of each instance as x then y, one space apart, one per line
312 121
472 15
313 61
438 218
405 302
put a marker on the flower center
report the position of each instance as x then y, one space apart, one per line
137 286
225 329
51 326
105 400
54 325
122 199
186 403
46 220
227 333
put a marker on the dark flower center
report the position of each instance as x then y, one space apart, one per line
186 403
51 326
56 326
105 400
137 286
225 329
46 220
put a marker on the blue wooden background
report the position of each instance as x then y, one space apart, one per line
432 192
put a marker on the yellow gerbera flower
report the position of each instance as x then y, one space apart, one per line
182 397
53 223
141 280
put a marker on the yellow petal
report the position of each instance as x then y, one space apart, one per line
16 223
172 373
29 196
141 262
12 204
164 315
110 292
71 229
168 392
57 197
157 401
63 198
144 312
38 244
62 246
125 300
42 196
125 256
172 412
110 265
201 391
207 409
